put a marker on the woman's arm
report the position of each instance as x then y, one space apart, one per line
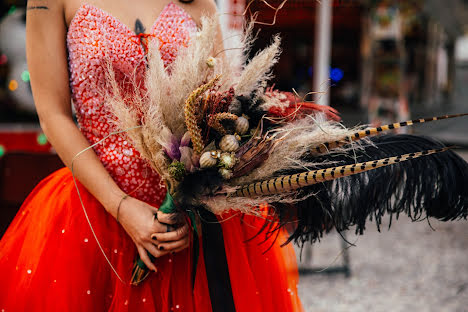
47 63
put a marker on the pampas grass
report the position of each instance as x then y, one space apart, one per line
143 135
188 71
258 70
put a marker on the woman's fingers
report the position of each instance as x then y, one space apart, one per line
173 246
155 251
169 218
145 258
174 235
158 227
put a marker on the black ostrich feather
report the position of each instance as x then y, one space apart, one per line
250 106
431 186
197 184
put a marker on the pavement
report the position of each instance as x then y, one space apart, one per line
408 268
411 267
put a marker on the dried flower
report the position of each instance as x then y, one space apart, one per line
172 148
227 160
225 173
177 170
211 62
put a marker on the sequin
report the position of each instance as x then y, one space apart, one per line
95 38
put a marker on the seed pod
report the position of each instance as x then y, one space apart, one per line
229 143
207 160
242 125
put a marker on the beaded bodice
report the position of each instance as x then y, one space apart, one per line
96 39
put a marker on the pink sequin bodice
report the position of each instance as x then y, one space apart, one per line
95 39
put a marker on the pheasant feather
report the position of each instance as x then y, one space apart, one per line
296 181
327 146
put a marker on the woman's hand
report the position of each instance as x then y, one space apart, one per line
176 236
139 221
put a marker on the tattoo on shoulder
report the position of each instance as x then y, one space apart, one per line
37 8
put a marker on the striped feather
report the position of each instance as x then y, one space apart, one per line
326 146
288 183
431 186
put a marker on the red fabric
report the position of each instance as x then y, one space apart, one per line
49 261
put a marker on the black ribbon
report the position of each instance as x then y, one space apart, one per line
216 267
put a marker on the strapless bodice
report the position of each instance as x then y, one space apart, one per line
96 40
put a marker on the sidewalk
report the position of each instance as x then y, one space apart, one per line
409 268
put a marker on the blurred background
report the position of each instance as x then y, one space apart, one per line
376 61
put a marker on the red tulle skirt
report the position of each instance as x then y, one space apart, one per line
50 261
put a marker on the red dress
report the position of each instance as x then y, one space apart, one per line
49 259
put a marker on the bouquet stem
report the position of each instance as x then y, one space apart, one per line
140 271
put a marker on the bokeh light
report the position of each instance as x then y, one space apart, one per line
12 9
3 59
13 85
42 139
25 76
336 74
2 150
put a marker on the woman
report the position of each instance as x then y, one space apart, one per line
54 257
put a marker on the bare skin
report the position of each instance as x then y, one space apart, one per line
46 29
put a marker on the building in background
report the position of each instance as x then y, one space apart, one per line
408 61
388 57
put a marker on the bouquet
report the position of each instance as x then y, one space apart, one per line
222 140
